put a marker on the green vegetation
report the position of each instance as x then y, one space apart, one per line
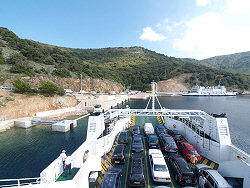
133 66
235 63
21 86
47 88
2 60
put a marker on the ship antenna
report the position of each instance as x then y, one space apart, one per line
153 97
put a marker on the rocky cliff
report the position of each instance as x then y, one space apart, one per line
88 84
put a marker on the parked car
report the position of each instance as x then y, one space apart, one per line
160 130
167 143
153 142
92 92
214 179
187 149
137 144
176 135
159 169
148 128
112 178
68 91
119 153
135 130
123 137
136 172
181 170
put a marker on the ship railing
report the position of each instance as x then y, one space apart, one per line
19 182
237 153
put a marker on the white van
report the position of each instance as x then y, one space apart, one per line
148 128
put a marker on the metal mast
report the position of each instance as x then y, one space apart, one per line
153 95
81 83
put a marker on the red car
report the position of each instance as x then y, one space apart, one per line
187 150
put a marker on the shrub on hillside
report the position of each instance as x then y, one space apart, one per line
50 89
21 86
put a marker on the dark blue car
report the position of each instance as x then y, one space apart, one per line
161 130
112 178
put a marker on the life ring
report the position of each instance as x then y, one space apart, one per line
174 125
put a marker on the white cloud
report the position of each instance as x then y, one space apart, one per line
169 28
208 35
239 7
150 35
203 2
166 20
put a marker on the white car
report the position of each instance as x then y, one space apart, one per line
159 169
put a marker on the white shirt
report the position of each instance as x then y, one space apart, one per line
63 156
68 160
202 181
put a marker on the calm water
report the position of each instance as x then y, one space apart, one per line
26 152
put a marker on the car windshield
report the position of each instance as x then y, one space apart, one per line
178 136
122 136
137 176
193 152
171 145
153 139
161 168
137 142
187 176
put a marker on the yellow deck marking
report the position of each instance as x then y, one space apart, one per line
128 165
212 165
205 161
146 161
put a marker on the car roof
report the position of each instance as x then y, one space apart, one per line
158 160
188 145
119 148
182 163
109 180
220 180
168 139
154 151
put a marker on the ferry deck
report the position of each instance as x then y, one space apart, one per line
125 167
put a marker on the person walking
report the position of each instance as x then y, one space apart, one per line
67 165
63 157
193 160
202 181
85 155
104 157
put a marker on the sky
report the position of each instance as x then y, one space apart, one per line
179 28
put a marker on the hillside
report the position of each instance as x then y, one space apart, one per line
129 66
235 63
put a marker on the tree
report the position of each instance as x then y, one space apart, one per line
21 86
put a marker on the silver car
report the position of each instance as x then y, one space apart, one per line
214 179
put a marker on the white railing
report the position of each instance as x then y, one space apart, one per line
103 144
237 153
19 182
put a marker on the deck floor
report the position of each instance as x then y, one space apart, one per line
69 177
125 167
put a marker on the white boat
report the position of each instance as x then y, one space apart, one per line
209 91
208 133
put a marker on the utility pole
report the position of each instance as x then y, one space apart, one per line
81 83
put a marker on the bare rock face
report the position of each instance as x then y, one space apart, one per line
176 84
88 84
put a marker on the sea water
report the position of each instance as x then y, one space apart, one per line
26 152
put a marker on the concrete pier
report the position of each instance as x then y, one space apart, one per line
64 126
